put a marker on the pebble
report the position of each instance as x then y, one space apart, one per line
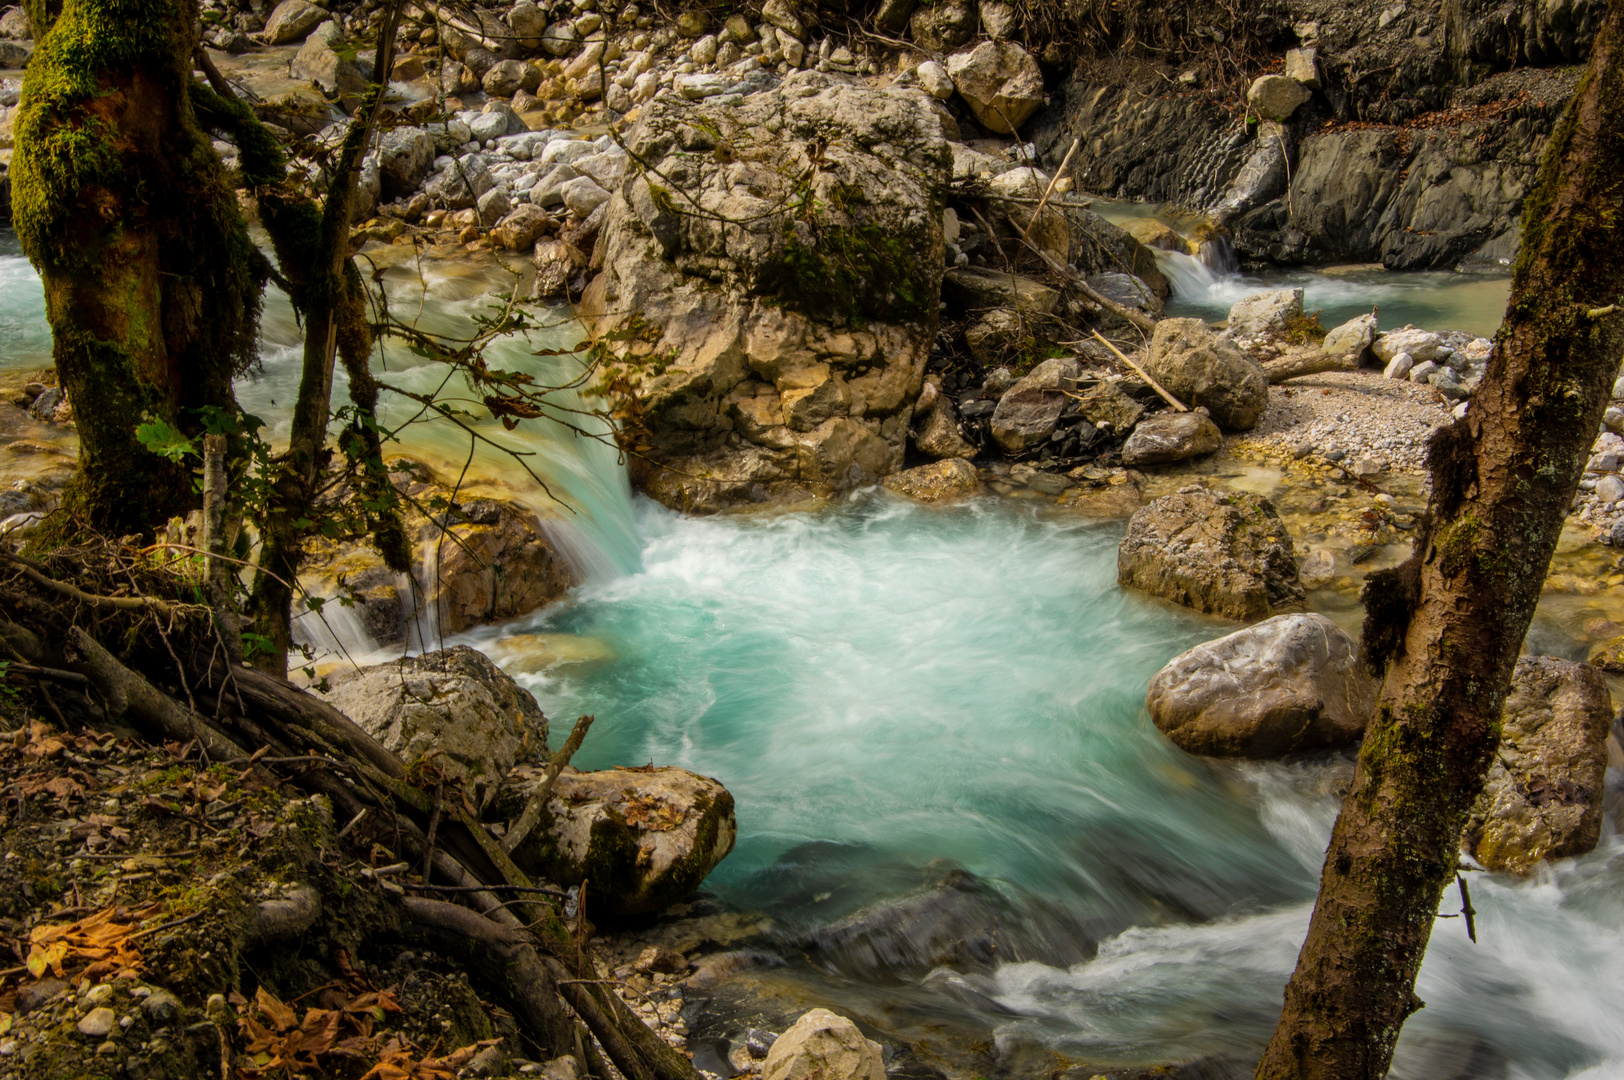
1342 415
98 1023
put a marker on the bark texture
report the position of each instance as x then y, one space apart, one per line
1448 625
152 287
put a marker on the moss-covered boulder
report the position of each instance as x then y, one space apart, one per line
642 839
771 274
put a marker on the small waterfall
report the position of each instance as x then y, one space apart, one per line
1191 277
1217 254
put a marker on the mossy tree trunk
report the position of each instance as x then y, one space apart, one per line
1449 624
152 286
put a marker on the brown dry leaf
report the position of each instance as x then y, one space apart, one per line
102 940
281 1017
650 813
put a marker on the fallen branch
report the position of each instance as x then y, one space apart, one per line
1309 363
1048 191
1143 374
537 802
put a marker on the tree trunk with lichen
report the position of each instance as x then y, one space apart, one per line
152 286
1448 625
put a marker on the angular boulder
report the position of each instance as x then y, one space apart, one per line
1543 798
1276 97
291 20
1168 437
936 432
322 60
1223 554
943 26
452 708
643 839
1108 406
950 478
1422 345
1030 410
1265 314
1201 368
1000 82
405 155
779 357
822 1045
1290 684
1353 338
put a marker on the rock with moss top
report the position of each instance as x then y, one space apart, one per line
1222 553
643 839
777 338
1543 797
451 708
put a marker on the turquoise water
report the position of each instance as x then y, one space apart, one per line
949 800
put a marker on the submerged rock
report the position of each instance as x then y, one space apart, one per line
451 708
642 838
823 1046
1291 683
1201 368
778 358
1543 798
1223 554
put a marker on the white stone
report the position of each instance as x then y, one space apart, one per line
704 50
1610 489
1399 367
1421 344
699 87
934 78
583 195
823 1046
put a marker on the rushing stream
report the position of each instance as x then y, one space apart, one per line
951 806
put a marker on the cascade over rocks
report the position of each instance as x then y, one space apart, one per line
452 707
1289 684
643 839
1199 367
1222 554
777 344
1543 797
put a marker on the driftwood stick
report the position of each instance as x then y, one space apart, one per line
537 802
1048 191
1309 363
1143 374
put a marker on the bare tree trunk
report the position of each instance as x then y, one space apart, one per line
1452 620
152 286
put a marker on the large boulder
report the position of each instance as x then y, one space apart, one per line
479 560
1222 553
291 21
323 60
824 1046
1029 411
643 838
1000 82
776 341
1352 338
1106 405
1265 314
405 155
940 481
452 710
1201 368
1276 97
977 287
1543 798
1289 684
943 26
1168 437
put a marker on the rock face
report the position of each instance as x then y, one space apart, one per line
1222 554
1000 82
823 1046
1289 684
1201 368
779 356
1168 437
1029 411
642 838
453 704
1543 799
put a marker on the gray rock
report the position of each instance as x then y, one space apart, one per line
1222 554
529 24
14 25
892 15
1000 19
162 1006
704 50
291 21
937 431
1129 290
1423 345
1276 97
1423 372
1609 489
781 15
522 228
1543 797
1303 66
826 1046
1352 338
935 79
1000 335
560 39
1000 82
646 838
405 155
515 125
454 704
1168 437
1266 314
322 61
490 126
98 1023
700 87
1290 684
978 288
461 183
493 206
504 79
1029 412
1319 569
1202 369
582 195
550 191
